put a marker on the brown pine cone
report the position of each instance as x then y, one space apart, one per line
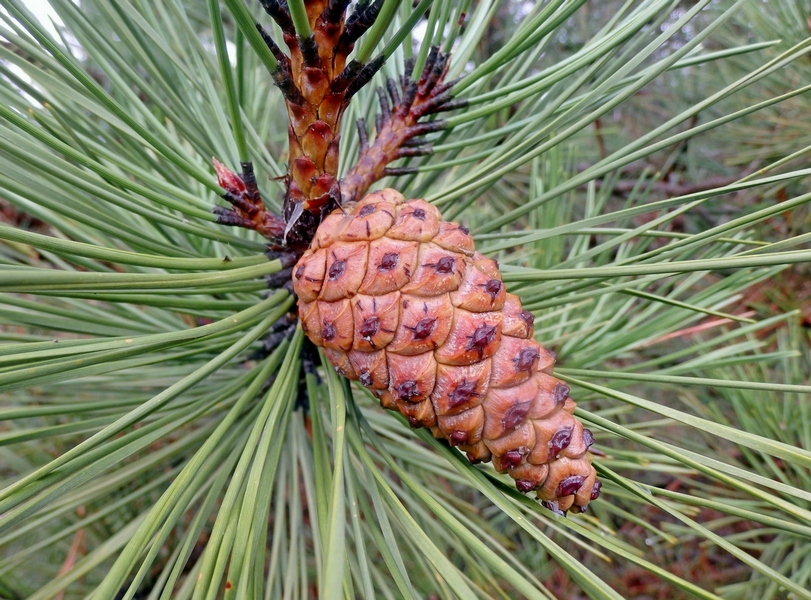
400 300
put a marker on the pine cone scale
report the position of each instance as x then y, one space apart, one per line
400 301
376 319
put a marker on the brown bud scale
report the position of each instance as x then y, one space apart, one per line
403 303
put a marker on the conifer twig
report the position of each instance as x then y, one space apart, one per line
399 131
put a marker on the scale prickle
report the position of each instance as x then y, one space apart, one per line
401 302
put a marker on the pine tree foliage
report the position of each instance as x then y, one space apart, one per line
153 446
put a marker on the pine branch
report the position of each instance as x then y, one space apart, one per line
398 128
317 85
248 209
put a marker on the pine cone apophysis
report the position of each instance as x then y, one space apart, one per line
400 300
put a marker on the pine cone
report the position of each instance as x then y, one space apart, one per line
400 300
